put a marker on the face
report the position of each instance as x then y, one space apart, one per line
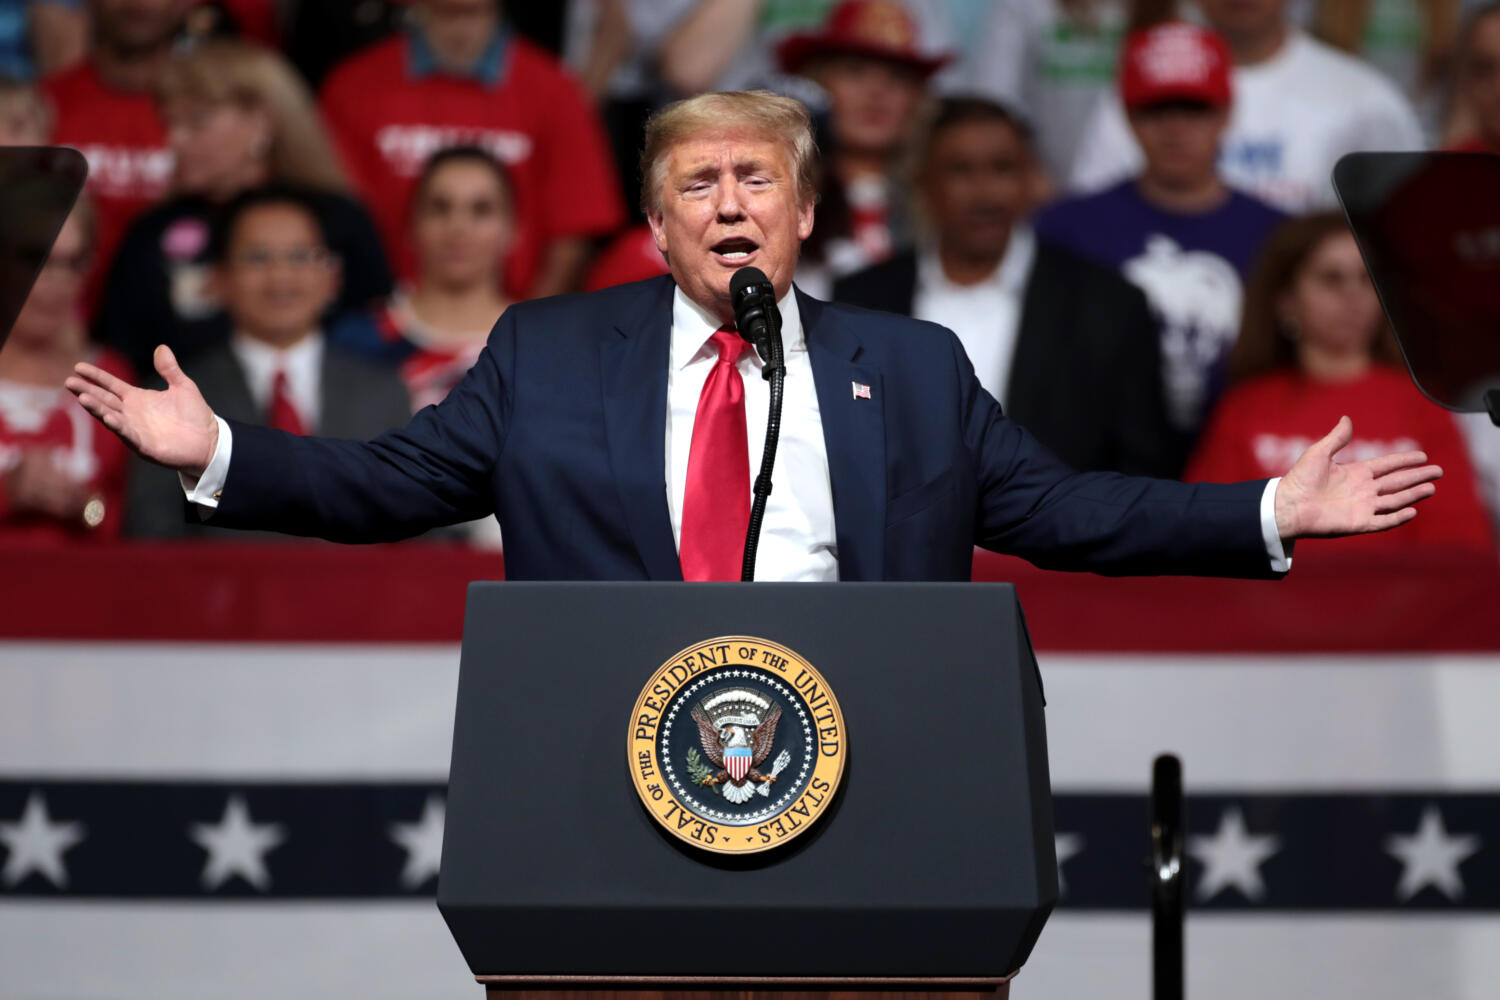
1331 304
975 184
277 276
1481 79
137 25
215 144
1180 141
1235 19
22 122
729 202
872 101
462 226
55 299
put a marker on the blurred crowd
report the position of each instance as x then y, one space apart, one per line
1121 207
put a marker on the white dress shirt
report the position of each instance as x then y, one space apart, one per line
303 364
798 538
986 316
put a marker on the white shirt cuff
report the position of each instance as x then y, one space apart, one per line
205 491
1281 555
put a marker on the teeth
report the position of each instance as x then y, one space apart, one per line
735 254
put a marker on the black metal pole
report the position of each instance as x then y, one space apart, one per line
1167 911
775 372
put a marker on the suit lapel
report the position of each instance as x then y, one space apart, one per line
854 435
634 368
224 381
339 401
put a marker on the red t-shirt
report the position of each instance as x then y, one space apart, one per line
1260 427
632 256
52 421
121 135
1473 144
535 119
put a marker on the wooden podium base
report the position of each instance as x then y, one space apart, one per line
609 988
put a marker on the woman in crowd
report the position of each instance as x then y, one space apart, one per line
867 61
462 225
1474 120
1313 347
238 118
62 476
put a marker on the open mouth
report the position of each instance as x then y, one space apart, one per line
735 250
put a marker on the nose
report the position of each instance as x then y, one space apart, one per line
729 208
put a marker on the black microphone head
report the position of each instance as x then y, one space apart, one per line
746 278
753 298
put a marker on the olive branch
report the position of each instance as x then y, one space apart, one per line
697 770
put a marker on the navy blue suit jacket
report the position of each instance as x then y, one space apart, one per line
560 429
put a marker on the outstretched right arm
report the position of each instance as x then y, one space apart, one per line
437 470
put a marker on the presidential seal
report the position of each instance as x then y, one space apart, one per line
736 745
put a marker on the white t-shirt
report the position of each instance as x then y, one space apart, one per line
1294 115
1053 68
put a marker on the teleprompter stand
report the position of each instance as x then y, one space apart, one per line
931 871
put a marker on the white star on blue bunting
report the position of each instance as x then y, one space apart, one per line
236 845
37 844
1431 856
423 841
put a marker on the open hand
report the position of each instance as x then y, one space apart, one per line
172 427
1321 498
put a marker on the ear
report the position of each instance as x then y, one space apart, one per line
213 282
805 221
334 279
658 230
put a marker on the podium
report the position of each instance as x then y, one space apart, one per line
929 868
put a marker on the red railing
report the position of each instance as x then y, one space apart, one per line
215 592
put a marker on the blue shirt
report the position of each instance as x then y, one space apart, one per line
15 37
1191 266
486 70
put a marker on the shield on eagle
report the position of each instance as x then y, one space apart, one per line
737 761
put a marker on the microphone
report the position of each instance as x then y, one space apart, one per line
755 314
758 320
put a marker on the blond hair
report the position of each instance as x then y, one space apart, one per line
224 71
756 112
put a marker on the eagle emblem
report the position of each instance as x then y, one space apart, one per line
737 729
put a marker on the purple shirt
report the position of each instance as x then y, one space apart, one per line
1190 265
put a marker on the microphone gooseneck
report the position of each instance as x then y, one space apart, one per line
758 321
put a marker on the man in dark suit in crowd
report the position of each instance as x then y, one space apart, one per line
613 432
1067 346
275 276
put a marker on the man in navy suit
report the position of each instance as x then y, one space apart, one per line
612 432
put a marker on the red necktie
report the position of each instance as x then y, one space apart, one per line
716 500
281 414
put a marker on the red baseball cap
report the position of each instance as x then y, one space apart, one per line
1175 61
881 29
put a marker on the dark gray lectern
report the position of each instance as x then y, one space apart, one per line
933 868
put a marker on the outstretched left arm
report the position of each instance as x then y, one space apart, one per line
1321 498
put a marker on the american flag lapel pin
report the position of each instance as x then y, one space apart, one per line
861 391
